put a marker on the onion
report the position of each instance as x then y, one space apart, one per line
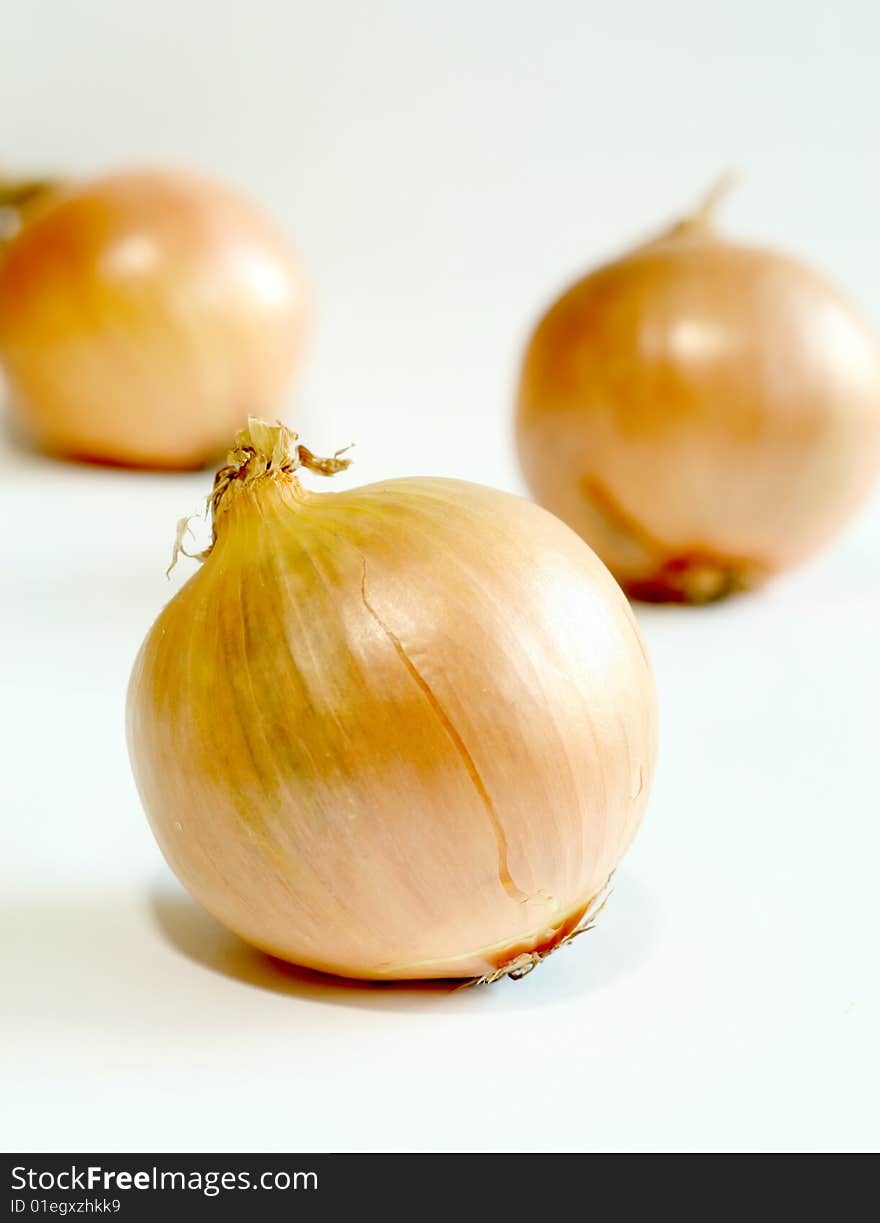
402 731
703 413
142 315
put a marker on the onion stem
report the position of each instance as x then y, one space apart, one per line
705 211
18 197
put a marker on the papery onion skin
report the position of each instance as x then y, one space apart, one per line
143 315
704 414
405 731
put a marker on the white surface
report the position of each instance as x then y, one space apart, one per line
444 169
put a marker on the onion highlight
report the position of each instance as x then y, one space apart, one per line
704 414
402 731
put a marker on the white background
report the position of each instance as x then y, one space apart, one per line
444 168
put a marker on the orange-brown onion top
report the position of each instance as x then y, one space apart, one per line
142 315
702 413
404 731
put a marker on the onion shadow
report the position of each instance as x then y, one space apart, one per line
623 940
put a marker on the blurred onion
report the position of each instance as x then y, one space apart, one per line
143 316
703 413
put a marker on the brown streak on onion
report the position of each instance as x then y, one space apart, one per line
458 743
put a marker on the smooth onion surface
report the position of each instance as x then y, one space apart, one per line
142 316
404 731
703 413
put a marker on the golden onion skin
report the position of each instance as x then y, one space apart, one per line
704 414
405 731
142 316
